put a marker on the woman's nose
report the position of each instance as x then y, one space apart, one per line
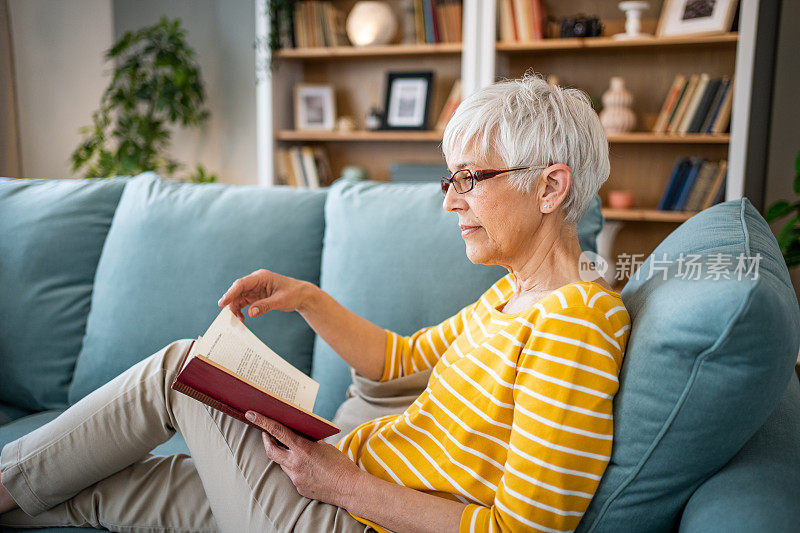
453 200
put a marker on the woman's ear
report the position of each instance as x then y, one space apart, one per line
557 182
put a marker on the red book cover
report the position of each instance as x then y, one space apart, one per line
218 387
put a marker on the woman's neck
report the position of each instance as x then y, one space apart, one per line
552 262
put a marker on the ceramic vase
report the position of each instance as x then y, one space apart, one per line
617 116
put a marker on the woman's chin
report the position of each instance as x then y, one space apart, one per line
476 256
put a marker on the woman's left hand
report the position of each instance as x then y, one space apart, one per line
318 470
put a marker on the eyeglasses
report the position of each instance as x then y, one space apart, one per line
464 180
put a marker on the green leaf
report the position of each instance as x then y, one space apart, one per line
797 167
777 210
792 255
789 234
797 183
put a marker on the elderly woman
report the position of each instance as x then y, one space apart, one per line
513 431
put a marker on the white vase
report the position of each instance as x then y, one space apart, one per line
617 116
371 23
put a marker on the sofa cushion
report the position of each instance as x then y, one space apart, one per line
707 361
395 257
9 413
768 466
51 236
174 249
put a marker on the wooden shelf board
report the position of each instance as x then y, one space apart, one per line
436 136
368 51
654 138
610 42
320 136
647 215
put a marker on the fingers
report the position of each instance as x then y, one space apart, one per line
236 295
259 308
274 428
276 452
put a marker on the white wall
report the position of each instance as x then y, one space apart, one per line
58 56
61 75
222 33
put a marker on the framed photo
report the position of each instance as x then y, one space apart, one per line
314 107
696 17
408 99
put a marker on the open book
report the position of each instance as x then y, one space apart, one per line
231 370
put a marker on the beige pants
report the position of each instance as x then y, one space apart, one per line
91 466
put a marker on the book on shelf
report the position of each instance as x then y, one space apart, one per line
687 183
229 369
303 166
722 120
694 184
507 30
680 110
696 104
438 21
450 106
318 23
521 20
716 193
673 185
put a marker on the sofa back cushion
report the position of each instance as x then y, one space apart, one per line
51 236
709 355
174 249
395 257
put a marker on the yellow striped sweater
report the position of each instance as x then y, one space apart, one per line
516 420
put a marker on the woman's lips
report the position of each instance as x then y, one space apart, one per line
466 230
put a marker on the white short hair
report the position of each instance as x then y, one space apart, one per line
528 121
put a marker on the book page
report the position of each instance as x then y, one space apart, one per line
230 344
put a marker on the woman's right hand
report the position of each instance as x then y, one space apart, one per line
263 291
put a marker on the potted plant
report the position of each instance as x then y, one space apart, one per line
155 85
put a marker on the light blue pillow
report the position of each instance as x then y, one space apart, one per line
51 236
394 256
706 362
174 249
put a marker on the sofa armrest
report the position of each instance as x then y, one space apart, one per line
757 490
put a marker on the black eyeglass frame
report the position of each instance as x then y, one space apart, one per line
480 175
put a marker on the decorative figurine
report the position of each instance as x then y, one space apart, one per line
616 116
633 20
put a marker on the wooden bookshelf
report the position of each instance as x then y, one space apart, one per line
436 136
652 138
640 160
352 52
359 136
358 75
620 44
647 215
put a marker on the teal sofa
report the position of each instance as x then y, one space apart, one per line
97 274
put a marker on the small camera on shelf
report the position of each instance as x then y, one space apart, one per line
580 26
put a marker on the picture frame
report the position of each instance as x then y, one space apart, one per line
407 100
314 107
696 17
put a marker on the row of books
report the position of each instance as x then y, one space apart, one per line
521 20
303 166
317 23
694 184
437 21
696 104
